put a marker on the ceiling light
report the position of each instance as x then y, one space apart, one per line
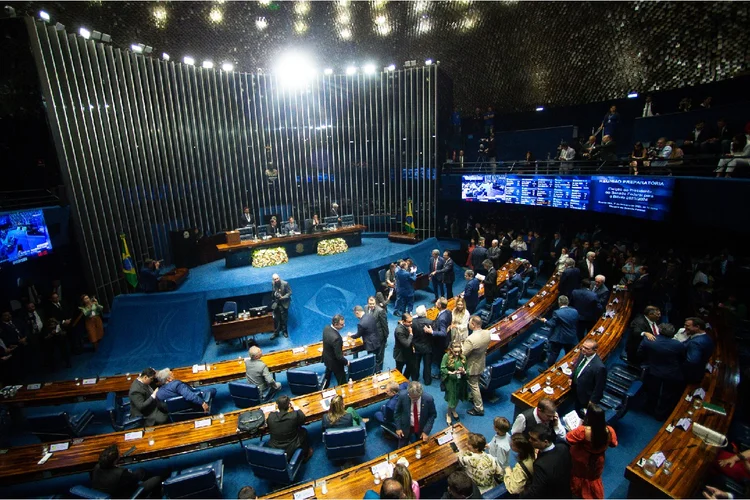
106 38
346 33
137 48
294 69
300 26
381 19
44 16
344 18
383 29
216 15
261 23
264 3
165 56
540 108
160 16
350 70
369 69
301 8
328 71
428 62
208 65
188 60
390 67
424 25
227 67
84 33
632 95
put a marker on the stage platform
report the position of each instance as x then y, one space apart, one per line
174 327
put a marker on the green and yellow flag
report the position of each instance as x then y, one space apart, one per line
128 268
409 218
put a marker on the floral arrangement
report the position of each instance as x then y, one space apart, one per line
332 246
264 257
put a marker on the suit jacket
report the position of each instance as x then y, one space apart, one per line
637 326
589 385
284 430
12 332
285 291
664 357
333 353
440 263
449 275
244 222
475 350
569 281
403 350
493 253
368 330
556 246
422 341
699 350
471 294
515 282
60 313
382 321
602 294
605 152
551 475
584 267
586 303
117 482
490 285
142 404
478 255
404 282
427 413
564 324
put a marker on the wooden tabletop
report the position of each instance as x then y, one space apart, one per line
285 240
20 463
614 329
68 391
437 462
690 465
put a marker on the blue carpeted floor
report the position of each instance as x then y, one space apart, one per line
322 286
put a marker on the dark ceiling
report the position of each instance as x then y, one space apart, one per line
513 55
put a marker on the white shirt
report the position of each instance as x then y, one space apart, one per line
519 425
500 449
700 277
647 110
567 154
653 326
411 410
591 268
585 362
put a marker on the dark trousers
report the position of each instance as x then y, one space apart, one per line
425 359
409 438
663 395
554 351
585 326
438 287
378 358
339 373
280 318
406 368
448 290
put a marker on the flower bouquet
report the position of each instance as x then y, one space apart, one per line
332 246
264 257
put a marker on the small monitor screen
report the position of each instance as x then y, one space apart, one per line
23 236
331 220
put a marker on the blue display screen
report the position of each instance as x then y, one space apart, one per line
23 235
643 197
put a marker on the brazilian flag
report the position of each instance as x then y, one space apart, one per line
128 268
409 218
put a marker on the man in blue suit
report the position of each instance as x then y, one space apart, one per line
664 379
563 324
588 306
436 276
415 414
589 376
600 289
471 291
404 289
367 328
570 279
440 332
514 280
699 348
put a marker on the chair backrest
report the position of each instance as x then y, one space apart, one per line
80 491
181 409
268 463
345 443
197 484
381 275
512 298
308 225
302 381
362 367
244 395
536 350
230 306
51 426
501 373
113 409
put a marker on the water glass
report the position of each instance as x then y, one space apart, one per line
323 486
151 441
221 418
649 468
418 452
667 467
697 403
548 381
377 478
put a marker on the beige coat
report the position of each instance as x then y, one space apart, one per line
475 350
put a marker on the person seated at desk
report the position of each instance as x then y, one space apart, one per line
286 430
119 482
149 276
291 226
389 489
273 228
340 417
171 388
143 400
514 280
258 374
315 225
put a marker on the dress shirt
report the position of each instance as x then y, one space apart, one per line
37 321
647 110
653 326
567 154
519 425
585 362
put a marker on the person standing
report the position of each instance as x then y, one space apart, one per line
404 289
258 374
471 291
589 376
382 323
92 311
699 348
436 275
544 413
144 401
664 379
415 414
441 331
333 351
490 285
453 375
403 348
519 476
481 467
247 219
459 329
282 298
563 324
422 342
367 329
588 306
610 123
449 275
588 443
475 350
552 467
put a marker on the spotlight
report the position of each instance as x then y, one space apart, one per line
264 3
261 23
106 38
96 35
390 67
165 56
137 48
188 60
428 62
84 33
369 69
540 108
44 16
632 95
294 70
350 70
148 49
208 65
216 15
328 71
300 26
346 33
227 67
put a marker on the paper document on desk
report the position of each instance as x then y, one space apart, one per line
445 438
495 337
383 469
304 494
700 393
572 420
326 403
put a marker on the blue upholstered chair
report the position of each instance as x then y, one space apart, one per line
304 381
203 481
527 356
345 443
271 463
230 306
362 367
494 313
511 300
60 425
80 491
181 409
497 375
119 413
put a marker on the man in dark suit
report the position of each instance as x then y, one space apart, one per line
645 325
588 306
664 380
403 348
246 219
436 277
119 482
589 376
440 331
367 328
606 151
333 351
513 280
536 248
530 272
699 348
600 289
415 414
505 251
555 247
640 289
149 276
143 400
491 289
589 267
471 291
552 467
282 298
493 253
422 342
478 256
291 226
563 323
449 275
59 310
286 431
381 318
570 279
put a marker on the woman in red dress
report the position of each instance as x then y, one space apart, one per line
588 443
471 249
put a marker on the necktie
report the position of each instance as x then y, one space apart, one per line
653 329
580 366
434 265
416 417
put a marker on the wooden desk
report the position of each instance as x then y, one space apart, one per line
20 464
172 280
239 328
68 391
690 465
437 462
614 329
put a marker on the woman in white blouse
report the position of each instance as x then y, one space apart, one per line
560 264
460 324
